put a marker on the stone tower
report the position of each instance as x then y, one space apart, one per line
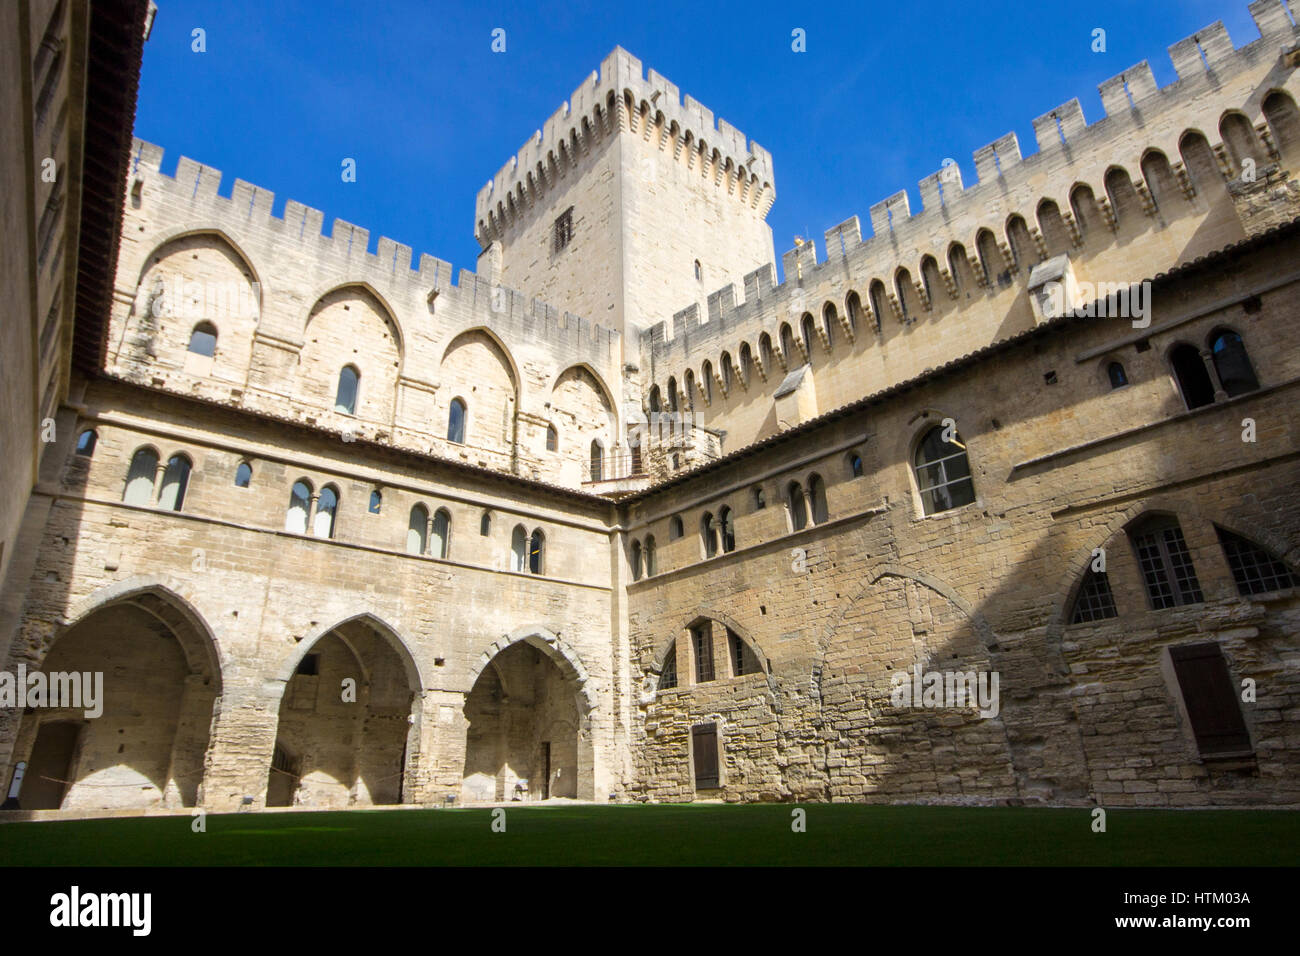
628 205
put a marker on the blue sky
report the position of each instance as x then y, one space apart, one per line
413 92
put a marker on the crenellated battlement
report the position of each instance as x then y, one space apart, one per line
1213 77
591 112
193 192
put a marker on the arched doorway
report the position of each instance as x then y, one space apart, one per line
151 667
348 723
527 738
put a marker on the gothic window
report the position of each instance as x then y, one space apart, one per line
1094 601
636 561
456 422
709 534
798 507
536 557
728 528
345 399
519 549
855 465
440 544
416 530
243 475
649 554
552 438
597 461
942 472
376 502
175 480
1232 363
817 492
485 524
295 519
1254 570
668 675
675 529
140 477
326 509
86 442
1165 562
1115 372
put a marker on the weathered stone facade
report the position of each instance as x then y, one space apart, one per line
351 533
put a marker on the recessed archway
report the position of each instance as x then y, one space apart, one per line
528 714
150 692
348 725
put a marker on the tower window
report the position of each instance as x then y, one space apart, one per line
1115 372
564 229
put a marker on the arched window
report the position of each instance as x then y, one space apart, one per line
597 460
1161 182
650 556
376 502
725 365
808 332
553 437
1165 562
709 534
879 302
746 363
1124 200
345 400
675 529
86 442
243 475
798 506
1023 250
699 271
817 492
931 279
943 472
1242 141
656 402
853 308
959 265
1199 159
1087 212
1232 363
668 674
456 422
689 385
485 524
416 530
1118 377
765 350
672 394
1192 377
706 380
440 543
760 498
636 560
203 340
787 343
1284 119
1254 569
855 465
536 558
519 549
295 519
175 480
140 477
1055 235
327 506
991 259
727 525
1094 602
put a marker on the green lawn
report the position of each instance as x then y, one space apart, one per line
837 834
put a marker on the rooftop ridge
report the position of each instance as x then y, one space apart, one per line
621 76
1129 98
249 210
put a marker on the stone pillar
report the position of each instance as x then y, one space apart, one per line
1208 358
191 743
243 740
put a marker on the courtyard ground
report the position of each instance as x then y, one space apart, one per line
637 835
